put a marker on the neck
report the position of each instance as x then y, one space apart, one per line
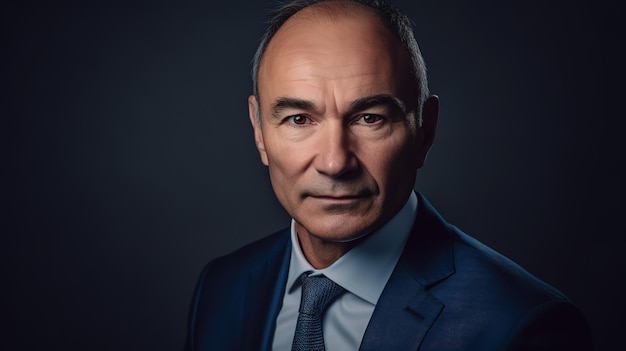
319 252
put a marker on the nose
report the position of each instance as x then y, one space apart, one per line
335 155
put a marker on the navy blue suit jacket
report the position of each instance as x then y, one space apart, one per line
447 292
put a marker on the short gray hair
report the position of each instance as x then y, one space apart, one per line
396 21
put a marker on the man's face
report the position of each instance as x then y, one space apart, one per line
341 147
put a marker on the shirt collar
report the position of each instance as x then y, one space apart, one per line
365 269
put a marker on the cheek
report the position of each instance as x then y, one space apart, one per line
284 168
281 183
391 152
393 166
286 158
282 162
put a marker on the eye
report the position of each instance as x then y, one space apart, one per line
298 119
369 119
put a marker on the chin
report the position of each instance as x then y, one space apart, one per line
340 230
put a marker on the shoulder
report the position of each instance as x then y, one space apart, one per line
481 273
498 274
228 277
250 257
231 285
523 311
488 301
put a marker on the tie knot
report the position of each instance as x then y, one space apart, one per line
317 293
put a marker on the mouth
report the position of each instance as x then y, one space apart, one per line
340 197
337 198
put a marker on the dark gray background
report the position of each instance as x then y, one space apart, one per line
128 160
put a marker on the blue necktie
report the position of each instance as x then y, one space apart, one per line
317 293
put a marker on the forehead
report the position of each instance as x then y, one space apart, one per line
325 13
318 49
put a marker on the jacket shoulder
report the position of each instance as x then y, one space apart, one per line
491 292
236 292
502 276
250 256
488 301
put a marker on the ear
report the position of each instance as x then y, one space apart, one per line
253 106
426 132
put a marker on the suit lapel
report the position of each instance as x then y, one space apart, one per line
402 316
264 297
406 310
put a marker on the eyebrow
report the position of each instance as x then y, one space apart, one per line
378 100
283 103
359 104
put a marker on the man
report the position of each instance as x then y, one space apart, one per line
343 119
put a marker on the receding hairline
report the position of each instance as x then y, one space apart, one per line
324 11
333 10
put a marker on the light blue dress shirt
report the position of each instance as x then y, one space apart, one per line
362 271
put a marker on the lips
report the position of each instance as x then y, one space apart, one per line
338 196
